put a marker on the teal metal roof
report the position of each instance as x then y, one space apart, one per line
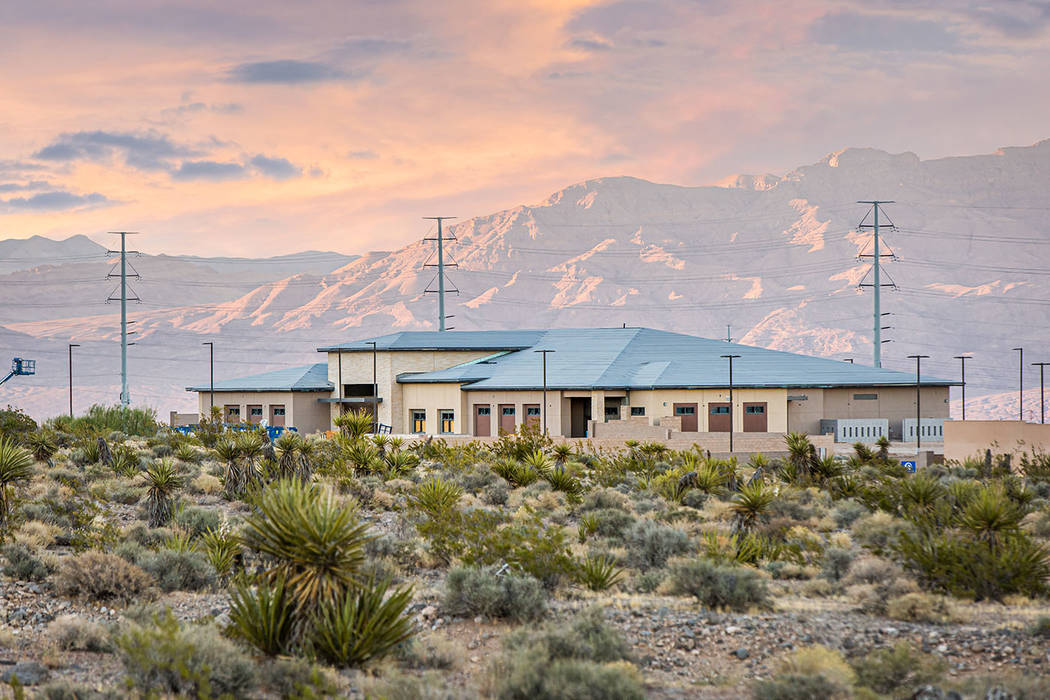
443 340
643 358
308 378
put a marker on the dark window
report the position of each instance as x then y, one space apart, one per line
278 410
233 410
419 421
508 410
533 411
685 410
719 409
484 411
755 409
256 410
865 397
448 421
612 411
357 390
637 410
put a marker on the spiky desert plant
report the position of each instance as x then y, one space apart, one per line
354 424
990 516
42 445
251 446
222 550
185 452
800 454
400 463
435 496
884 447
360 455
381 442
920 494
599 572
506 467
538 461
396 443
317 545
233 480
563 452
163 481
126 461
826 469
750 503
16 466
288 450
708 479
561 480
363 626
263 616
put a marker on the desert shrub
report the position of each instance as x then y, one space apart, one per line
147 536
16 425
871 569
818 660
919 607
20 563
610 522
72 633
66 690
650 544
16 466
196 661
605 499
222 549
107 419
206 484
196 520
495 494
296 678
794 686
161 451
481 591
647 581
1041 627
178 571
365 626
120 492
880 531
848 512
718 586
897 670
101 577
262 616
599 572
836 563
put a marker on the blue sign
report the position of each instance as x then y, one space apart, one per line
908 464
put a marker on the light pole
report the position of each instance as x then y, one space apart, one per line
1042 406
71 346
962 363
1020 384
730 358
211 375
918 399
375 387
543 413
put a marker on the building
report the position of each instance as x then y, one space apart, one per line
285 397
600 382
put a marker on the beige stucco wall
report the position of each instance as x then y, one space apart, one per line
971 438
659 404
302 408
893 403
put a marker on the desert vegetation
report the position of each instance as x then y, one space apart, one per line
142 562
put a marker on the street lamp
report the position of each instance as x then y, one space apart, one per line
71 346
211 375
918 399
1020 384
730 358
375 386
962 362
544 408
1042 406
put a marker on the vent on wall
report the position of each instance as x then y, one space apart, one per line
865 397
798 397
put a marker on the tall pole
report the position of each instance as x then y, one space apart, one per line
1042 405
211 374
441 268
918 399
125 397
731 414
71 346
1020 384
543 409
962 367
876 280
375 386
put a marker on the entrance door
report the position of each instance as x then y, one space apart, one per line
231 413
507 422
580 412
719 420
532 415
482 421
687 412
277 416
755 417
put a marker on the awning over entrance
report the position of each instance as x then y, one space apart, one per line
356 400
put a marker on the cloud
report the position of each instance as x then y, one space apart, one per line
143 151
854 31
200 107
590 43
24 186
277 168
362 155
286 72
209 170
365 48
56 201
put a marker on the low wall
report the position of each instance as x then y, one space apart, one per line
971 438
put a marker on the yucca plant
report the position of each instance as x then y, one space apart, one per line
506 468
561 480
826 469
708 478
263 616
233 480
599 572
751 503
354 424
395 443
381 442
185 452
563 452
863 453
920 494
587 526
363 626
990 516
800 454
400 463
362 456
222 550
251 445
126 461
42 445
539 462
163 481
435 496
181 541
288 449
16 466
318 546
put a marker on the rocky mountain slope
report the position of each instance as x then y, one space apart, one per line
775 258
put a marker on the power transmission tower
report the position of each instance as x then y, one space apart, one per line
876 270
125 398
440 265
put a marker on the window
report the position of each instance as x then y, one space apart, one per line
508 410
755 410
357 390
233 411
532 411
484 411
612 412
419 421
278 410
865 397
637 410
685 410
448 419
256 411
719 409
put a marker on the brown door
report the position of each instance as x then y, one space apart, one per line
687 412
755 417
719 419
232 413
277 416
580 414
507 423
255 414
482 421
532 415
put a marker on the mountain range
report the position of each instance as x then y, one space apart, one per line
771 260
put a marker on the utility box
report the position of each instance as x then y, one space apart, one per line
855 429
932 430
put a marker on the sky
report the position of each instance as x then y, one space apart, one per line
267 127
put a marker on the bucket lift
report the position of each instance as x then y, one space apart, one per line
20 367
